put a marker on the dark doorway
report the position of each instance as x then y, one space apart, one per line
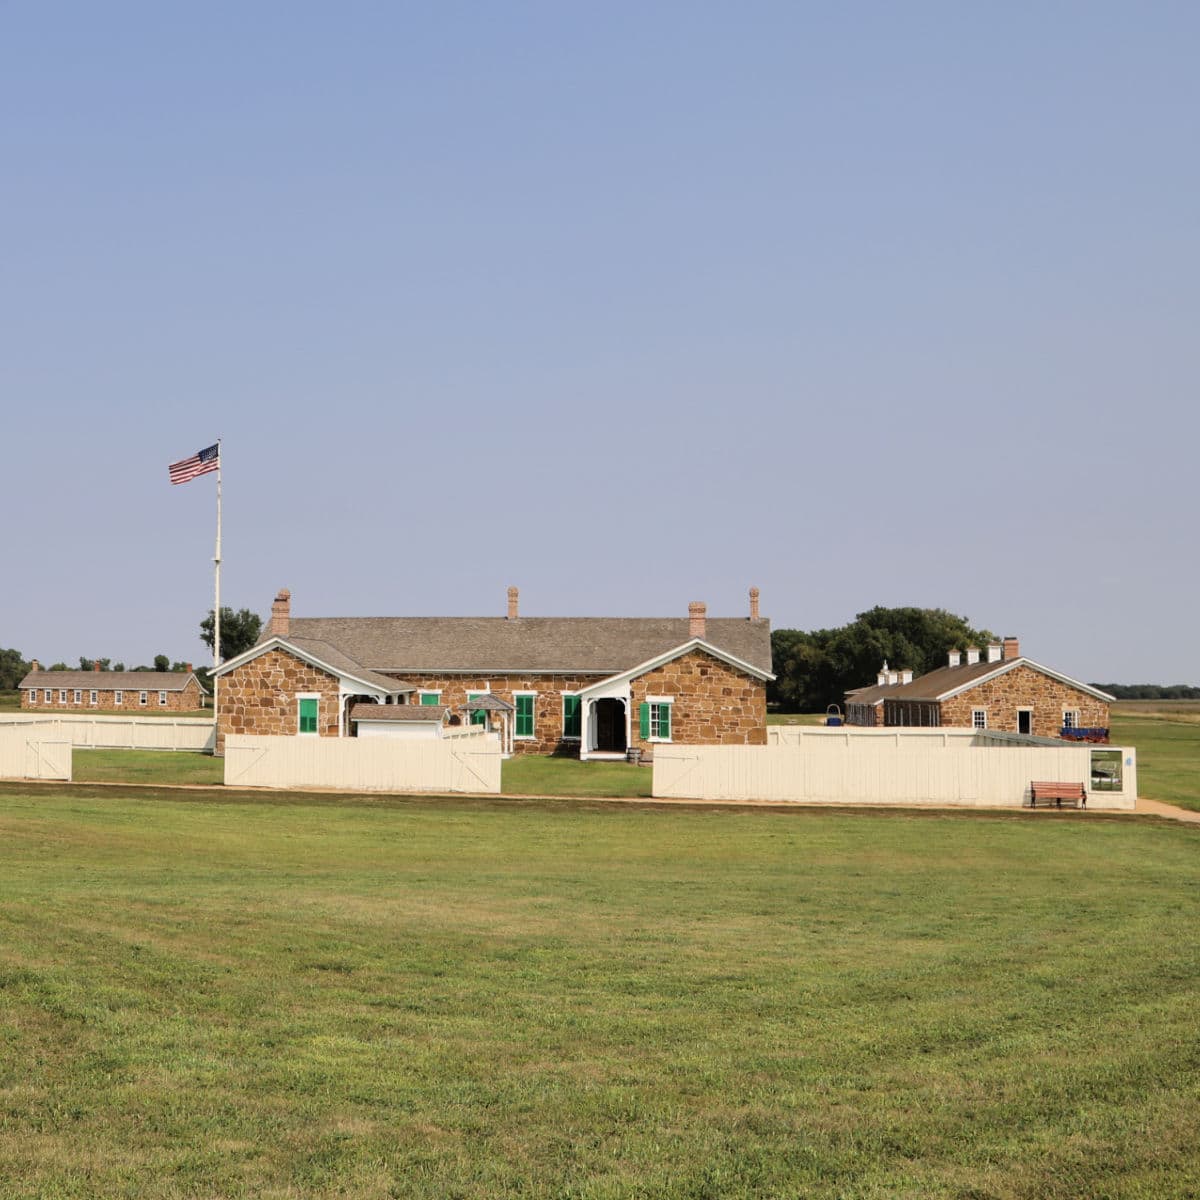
610 725
1024 720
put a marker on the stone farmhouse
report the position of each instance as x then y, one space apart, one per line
170 691
595 687
997 689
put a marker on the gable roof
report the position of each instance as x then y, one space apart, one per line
108 681
946 682
324 657
546 645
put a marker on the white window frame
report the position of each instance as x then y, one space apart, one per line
62 695
1025 708
1073 723
143 698
423 692
979 718
93 697
77 696
669 702
118 697
48 696
162 698
33 695
524 737
563 698
308 696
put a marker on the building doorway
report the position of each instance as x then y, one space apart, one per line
1025 720
610 726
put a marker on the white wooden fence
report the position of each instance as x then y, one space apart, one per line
120 733
934 766
31 754
467 763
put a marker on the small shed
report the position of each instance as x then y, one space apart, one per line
398 720
493 713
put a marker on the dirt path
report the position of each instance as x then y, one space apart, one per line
1156 808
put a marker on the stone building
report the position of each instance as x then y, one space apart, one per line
994 689
111 691
595 687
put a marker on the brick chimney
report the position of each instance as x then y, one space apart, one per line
697 611
34 665
187 668
281 614
1012 648
96 664
513 597
754 604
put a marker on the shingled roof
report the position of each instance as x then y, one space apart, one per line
550 645
108 681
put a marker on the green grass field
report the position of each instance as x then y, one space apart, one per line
1168 754
315 998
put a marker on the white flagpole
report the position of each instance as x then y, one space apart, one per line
217 588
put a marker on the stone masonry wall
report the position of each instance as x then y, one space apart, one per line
260 697
1023 687
547 707
714 705
187 700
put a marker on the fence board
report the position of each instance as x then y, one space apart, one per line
119 733
32 754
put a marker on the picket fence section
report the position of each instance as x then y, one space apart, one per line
120 733
31 754
882 767
468 763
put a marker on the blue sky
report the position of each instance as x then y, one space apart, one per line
625 304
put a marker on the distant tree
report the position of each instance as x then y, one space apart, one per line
815 669
162 662
239 631
181 666
118 666
13 668
58 666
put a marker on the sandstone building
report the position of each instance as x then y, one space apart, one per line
111 691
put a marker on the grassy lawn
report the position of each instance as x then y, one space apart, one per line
10 701
776 718
532 775
146 766
301 998
1168 753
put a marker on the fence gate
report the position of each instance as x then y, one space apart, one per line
47 760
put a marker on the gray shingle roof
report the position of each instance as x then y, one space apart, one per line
398 712
494 645
108 681
333 657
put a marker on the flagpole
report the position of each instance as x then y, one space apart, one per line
217 590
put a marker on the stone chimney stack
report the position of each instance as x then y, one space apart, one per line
281 614
96 664
754 604
187 668
34 665
955 658
994 651
1012 648
697 612
513 597
972 655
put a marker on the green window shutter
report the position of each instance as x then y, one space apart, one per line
524 716
571 714
428 698
664 721
478 715
308 716
644 720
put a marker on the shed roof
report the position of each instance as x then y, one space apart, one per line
430 714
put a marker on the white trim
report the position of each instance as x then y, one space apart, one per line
667 702
1023 662
524 737
143 698
670 656
62 695
93 697
423 692
278 643
308 696
77 696
1025 708
1074 722
162 697
118 696
33 695
48 698
979 712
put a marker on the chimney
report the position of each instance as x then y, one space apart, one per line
906 675
96 665
513 596
955 658
697 611
754 604
281 614
995 650
187 668
1012 648
35 665
972 655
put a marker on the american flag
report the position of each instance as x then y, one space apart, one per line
208 459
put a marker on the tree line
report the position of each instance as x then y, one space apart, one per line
239 631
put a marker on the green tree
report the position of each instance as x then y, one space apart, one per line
239 631
13 668
162 662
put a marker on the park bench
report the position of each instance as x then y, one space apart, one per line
1073 794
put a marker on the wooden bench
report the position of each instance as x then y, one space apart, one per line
1073 794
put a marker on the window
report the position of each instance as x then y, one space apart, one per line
572 714
93 697
1106 771
308 714
430 697
33 695
162 697
47 695
1070 718
478 715
142 697
118 697
78 697
525 704
979 718
654 719
62 695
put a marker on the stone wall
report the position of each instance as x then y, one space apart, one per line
713 705
1023 687
189 699
547 706
260 697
